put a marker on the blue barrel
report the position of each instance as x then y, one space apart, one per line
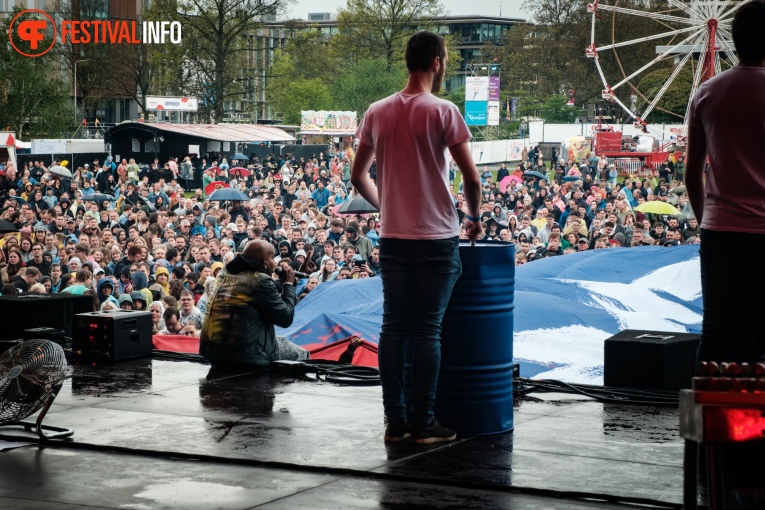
475 385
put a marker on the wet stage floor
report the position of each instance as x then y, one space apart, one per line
152 434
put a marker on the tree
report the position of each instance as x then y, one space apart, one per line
379 28
289 92
672 105
141 70
33 101
371 80
556 109
214 36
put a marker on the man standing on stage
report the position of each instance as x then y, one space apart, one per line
729 131
409 133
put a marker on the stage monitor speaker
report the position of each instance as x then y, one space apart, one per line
114 335
653 360
29 310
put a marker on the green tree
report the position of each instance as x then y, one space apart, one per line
289 92
672 105
33 101
457 96
379 28
555 109
215 39
369 81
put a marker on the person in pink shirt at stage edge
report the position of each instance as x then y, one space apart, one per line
727 125
409 133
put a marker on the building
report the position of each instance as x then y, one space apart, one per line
471 32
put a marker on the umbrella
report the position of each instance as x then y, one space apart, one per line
60 171
532 173
678 189
20 200
657 207
98 197
240 157
358 205
7 226
223 194
215 185
242 171
572 178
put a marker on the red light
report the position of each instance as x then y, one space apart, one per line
733 424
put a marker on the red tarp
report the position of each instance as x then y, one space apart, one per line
176 343
365 355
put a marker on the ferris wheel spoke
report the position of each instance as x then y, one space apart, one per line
727 15
684 7
661 56
727 48
651 15
648 38
696 81
722 8
679 67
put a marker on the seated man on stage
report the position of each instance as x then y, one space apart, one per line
245 304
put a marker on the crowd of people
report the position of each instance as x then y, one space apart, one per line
160 241
585 205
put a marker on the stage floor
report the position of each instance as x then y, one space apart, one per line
152 434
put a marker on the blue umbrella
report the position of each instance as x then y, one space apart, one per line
19 199
240 157
532 173
224 194
572 178
98 197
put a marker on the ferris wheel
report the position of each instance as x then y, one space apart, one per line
685 36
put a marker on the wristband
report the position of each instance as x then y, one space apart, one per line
472 218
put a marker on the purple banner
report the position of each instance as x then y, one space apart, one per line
493 88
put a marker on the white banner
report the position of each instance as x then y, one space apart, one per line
493 116
177 104
497 151
477 88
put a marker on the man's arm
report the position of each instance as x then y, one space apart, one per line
279 309
471 188
360 178
694 169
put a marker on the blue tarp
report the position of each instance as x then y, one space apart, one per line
564 307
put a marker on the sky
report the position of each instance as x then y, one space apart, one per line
510 8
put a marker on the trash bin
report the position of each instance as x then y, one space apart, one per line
475 385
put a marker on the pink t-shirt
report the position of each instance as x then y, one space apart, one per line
410 135
731 109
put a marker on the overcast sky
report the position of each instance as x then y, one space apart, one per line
510 8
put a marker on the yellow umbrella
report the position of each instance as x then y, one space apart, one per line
657 207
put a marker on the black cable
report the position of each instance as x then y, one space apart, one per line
605 394
549 493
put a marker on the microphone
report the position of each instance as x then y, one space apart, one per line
280 270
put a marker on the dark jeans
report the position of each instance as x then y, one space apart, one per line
732 281
417 278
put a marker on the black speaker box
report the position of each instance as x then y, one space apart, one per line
652 360
114 335
24 311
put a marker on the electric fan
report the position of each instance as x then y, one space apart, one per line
31 375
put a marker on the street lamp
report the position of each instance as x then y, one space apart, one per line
75 90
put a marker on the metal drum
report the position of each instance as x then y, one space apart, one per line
475 385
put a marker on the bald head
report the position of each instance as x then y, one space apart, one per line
258 249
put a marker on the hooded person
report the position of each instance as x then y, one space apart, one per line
284 253
163 282
105 291
139 301
140 284
126 302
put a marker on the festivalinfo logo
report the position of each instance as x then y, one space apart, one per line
31 25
